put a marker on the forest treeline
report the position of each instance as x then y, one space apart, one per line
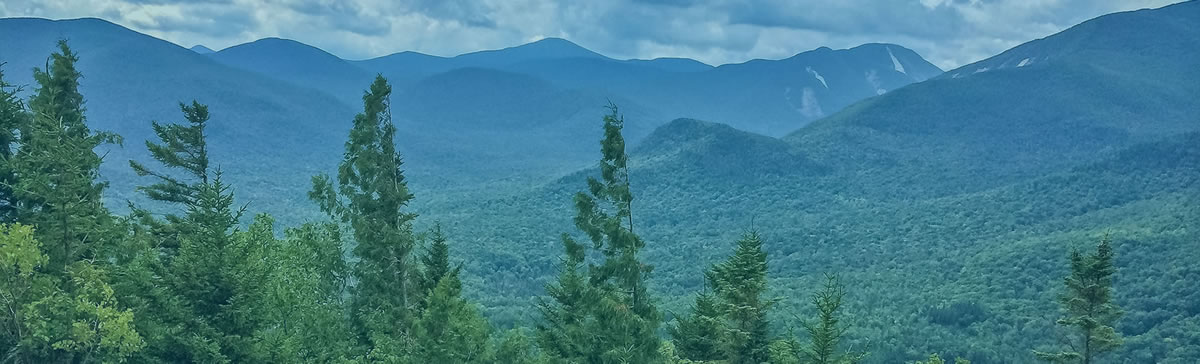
183 279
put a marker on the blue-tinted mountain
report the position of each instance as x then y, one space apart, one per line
299 64
413 65
200 48
948 205
765 96
1095 88
130 78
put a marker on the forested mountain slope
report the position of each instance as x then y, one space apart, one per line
947 205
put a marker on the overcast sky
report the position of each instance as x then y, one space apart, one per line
949 33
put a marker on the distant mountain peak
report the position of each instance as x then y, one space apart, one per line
200 48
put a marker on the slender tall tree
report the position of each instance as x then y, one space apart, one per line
370 195
606 314
435 263
1089 313
826 331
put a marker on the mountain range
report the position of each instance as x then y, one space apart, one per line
948 204
946 201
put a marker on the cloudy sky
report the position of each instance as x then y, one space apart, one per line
949 33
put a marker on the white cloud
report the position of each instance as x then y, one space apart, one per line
947 32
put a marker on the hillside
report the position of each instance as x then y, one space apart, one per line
983 125
300 64
947 205
124 93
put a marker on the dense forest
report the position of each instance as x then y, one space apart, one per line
190 275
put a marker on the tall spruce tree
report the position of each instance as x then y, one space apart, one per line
1089 311
57 168
370 195
740 283
603 315
13 118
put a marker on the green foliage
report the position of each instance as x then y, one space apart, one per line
182 147
516 347
740 283
606 314
825 332
302 307
450 330
57 168
700 336
730 324
51 320
370 195
935 359
13 118
1089 311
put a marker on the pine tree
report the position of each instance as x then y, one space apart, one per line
739 283
13 118
196 256
1089 311
450 330
183 147
57 168
701 335
370 195
603 315
826 331
935 359
435 263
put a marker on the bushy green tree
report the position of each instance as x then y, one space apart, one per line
450 330
1089 311
302 305
604 314
700 336
48 320
515 347
57 168
740 283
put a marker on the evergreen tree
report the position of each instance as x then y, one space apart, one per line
450 330
603 315
1089 311
13 118
514 347
739 283
189 279
935 359
183 147
436 263
370 195
826 331
700 336
57 168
